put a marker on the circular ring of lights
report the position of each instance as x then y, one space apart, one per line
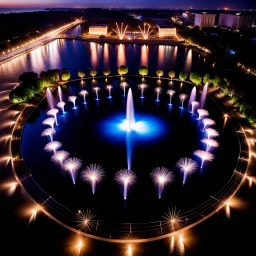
125 232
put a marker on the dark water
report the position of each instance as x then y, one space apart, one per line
91 133
76 55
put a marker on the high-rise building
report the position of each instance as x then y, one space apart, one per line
204 20
236 21
189 17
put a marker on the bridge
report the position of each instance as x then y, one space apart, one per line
55 34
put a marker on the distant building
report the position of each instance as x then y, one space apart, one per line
204 20
189 17
98 30
236 22
165 30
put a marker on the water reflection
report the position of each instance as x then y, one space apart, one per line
144 55
121 58
188 62
161 49
106 55
94 57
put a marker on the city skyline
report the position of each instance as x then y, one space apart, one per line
186 4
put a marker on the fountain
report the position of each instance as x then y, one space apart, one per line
59 157
73 100
204 155
52 146
83 93
142 87
202 112
161 176
158 90
187 166
124 85
211 132
192 97
203 95
130 120
182 99
48 132
53 112
194 105
93 174
49 98
210 143
61 105
96 89
60 93
109 88
171 93
208 121
125 177
72 165
49 121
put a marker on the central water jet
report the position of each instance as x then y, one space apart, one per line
130 120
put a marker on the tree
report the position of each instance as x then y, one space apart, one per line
216 80
195 78
183 76
207 79
93 73
81 74
122 70
65 74
171 74
143 71
106 71
29 77
159 73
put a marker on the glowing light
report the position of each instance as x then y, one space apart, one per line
96 90
142 87
211 132
204 155
72 165
124 85
129 251
12 188
194 105
93 174
48 132
226 116
187 166
86 220
161 176
120 31
59 157
173 218
210 143
145 32
61 105
228 215
78 247
158 90
52 146
171 93
202 112
49 121
181 246
182 98
126 178
73 100
83 93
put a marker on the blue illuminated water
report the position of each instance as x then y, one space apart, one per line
92 133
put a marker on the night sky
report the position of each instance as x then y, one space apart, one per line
232 4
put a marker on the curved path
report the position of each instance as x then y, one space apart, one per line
125 232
